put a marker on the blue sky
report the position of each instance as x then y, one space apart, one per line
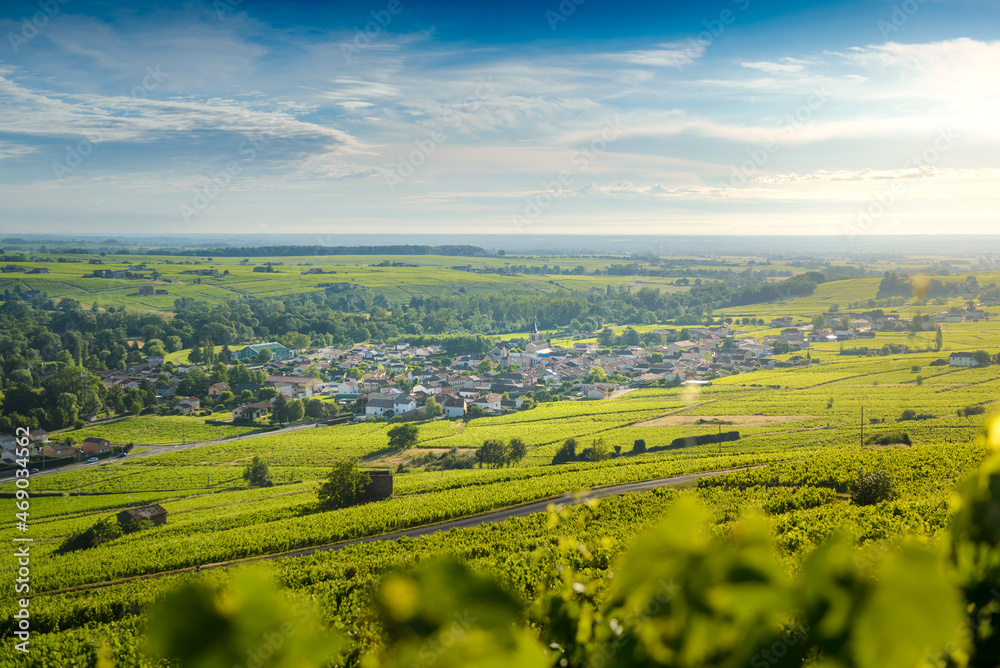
579 116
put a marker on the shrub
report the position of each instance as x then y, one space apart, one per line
969 411
871 487
889 438
257 473
403 436
566 453
910 414
492 453
597 452
639 446
345 486
99 533
516 451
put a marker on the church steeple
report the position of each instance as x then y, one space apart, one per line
535 336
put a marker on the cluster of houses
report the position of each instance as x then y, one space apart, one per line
39 444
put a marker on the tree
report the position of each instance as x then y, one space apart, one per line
279 408
492 453
433 408
606 337
68 409
257 473
314 409
819 322
566 453
403 436
195 355
639 446
597 451
295 410
982 357
475 412
656 358
484 366
938 340
345 485
265 355
516 450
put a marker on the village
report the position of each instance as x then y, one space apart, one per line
401 382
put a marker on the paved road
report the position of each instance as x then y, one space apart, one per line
508 513
426 530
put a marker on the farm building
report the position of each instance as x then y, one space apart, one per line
279 351
155 513
962 359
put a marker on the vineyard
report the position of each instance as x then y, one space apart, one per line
805 435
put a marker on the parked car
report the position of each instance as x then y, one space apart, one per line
120 455
33 471
92 460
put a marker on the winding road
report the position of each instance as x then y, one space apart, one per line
428 529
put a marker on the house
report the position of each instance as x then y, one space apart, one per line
600 391
962 359
61 450
146 290
404 403
37 437
155 513
154 360
783 321
217 389
252 411
96 261
348 388
454 407
189 405
31 294
490 402
294 386
379 407
791 334
38 270
93 446
278 351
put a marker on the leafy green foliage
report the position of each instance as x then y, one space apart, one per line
889 438
566 453
200 626
403 436
257 473
345 485
100 532
492 453
872 486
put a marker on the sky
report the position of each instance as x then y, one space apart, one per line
853 117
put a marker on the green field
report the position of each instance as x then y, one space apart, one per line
800 448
